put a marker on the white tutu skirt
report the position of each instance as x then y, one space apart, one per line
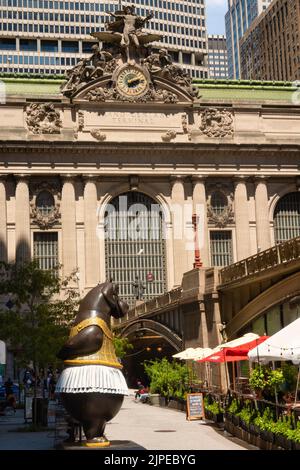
92 378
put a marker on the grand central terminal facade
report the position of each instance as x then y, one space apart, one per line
135 173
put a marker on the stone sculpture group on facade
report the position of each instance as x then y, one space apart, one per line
125 43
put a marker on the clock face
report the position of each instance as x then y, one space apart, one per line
132 82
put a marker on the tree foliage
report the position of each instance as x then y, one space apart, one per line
169 379
36 324
122 346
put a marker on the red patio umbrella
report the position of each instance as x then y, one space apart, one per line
238 353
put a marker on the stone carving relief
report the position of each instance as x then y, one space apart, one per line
168 136
126 69
220 205
97 134
43 118
216 123
45 219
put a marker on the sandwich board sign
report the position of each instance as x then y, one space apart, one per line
195 406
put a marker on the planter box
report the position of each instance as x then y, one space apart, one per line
295 445
244 425
177 405
235 420
208 414
219 418
267 436
154 399
283 442
228 416
253 429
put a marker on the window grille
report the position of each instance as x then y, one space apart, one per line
45 249
221 248
287 218
135 245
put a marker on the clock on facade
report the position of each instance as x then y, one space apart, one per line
131 81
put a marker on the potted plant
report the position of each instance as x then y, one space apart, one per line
233 412
213 410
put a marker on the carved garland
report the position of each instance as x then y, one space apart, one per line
102 94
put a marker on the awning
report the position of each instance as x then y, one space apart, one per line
239 352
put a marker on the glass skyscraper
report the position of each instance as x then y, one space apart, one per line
240 15
49 36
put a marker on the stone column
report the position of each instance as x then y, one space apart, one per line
200 209
263 233
23 236
90 231
3 219
179 248
241 218
68 224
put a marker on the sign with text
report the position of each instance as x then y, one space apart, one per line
195 406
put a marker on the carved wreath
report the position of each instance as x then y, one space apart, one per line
221 219
216 123
45 221
43 119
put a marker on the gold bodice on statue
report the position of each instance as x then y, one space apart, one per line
106 355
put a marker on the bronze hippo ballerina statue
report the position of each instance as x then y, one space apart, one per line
92 386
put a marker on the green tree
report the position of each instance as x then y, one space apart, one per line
169 379
122 346
42 306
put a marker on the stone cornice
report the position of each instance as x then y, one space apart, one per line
106 147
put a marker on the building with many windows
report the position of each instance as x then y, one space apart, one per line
270 49
127 170
49 36
240 15
217 57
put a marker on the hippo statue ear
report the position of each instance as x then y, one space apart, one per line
109 292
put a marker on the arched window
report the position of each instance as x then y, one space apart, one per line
45 202
135 256
287 217
218 202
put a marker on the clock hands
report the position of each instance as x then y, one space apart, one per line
133 80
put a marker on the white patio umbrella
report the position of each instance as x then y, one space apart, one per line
192 353
282 346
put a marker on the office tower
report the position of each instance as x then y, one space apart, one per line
240 15
49 36
217 57
270 49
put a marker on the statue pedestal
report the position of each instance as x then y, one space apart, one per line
115 445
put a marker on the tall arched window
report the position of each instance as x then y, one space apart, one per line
287 217
218 202
135 256
45 202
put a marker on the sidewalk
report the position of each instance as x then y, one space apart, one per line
151 427
12 440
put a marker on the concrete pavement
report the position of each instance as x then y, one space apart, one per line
151 427
158 428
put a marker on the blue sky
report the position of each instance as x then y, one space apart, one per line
215 11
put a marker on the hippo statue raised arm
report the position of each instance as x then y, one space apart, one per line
92 386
